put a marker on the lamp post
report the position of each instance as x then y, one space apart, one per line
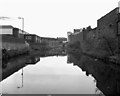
22 22
22 31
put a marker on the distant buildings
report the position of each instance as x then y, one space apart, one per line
33 39
77 30
73 37
62 39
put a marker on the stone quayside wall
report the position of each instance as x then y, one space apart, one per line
102 41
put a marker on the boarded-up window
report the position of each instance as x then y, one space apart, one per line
118 28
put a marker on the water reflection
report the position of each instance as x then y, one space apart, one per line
45 73
33 60
107 76
51 75
13 65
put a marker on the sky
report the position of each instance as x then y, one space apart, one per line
54 18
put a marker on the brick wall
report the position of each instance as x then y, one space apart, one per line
109 21
108 28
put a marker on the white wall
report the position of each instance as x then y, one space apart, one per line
20 31
6 31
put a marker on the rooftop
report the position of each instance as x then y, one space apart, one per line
116 10
6 26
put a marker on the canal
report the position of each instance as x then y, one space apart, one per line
59 74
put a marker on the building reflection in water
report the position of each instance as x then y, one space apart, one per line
33 60
107 76
13 65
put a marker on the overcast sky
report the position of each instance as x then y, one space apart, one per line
54 18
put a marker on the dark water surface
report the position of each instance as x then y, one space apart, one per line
70 74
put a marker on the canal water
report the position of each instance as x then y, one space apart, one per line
68 74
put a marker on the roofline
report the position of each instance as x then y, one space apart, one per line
6 26
117 11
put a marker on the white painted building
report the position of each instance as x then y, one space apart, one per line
6 29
